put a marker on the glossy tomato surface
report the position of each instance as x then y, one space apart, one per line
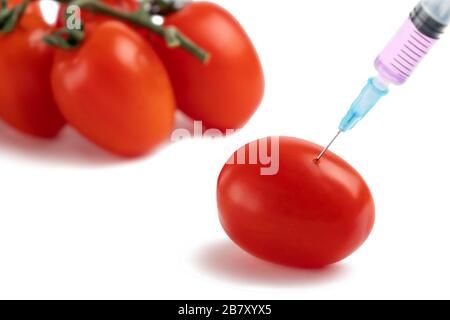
26 99
307 215
226 92
115 90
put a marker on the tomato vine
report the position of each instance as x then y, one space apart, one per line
10 17
66 38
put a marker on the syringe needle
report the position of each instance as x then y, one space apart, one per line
327 147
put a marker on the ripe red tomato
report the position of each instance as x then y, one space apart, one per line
26 99
308 215
115 90
225 93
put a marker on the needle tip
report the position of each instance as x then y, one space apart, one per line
327 147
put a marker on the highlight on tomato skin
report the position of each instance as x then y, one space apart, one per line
26 99
226 92
33 10
307 215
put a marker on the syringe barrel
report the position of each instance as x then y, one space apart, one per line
413 41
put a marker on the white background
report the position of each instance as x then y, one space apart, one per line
76 222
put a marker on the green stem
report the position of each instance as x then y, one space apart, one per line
22 8
71 39
9 18
173 37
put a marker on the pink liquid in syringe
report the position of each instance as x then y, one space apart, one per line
403 53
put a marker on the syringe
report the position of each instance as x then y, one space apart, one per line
399 59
